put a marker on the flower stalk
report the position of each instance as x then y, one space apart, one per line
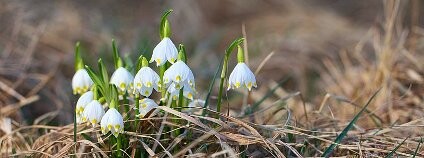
224 71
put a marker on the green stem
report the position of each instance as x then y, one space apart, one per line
221 84
126 106
162 84
224 72
75 131
119 146
137 112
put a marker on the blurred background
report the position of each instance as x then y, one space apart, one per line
323 46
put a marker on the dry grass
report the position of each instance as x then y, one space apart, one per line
287 123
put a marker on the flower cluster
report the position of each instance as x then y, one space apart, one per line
132 87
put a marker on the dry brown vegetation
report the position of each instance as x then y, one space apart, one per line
331 64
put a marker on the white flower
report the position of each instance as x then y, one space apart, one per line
93 113
179 74
81 82
174 91
123 80
241 77
82 102
145 81
146 105
112 121
164 51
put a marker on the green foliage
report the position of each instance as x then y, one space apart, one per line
339 138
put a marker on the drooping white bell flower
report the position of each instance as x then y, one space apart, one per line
174 91
81 82
241 76
93 113
82 102
112 121
179 73
164 51
146 105
145 81
123 80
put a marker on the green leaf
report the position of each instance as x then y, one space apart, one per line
139 63
96 79
79 64
330 149
418 147
103 71
211 87
116 59
165 28
396 148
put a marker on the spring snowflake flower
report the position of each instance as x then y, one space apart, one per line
164 51
179 74
241 76
82 102
145 81
146 105
174 91
123 80
93 113
81 82
112 121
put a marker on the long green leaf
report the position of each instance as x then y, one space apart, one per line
93 75
418 147
139 63
330 149
396 148
211 87
103 71
117 61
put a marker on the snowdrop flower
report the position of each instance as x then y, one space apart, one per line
112 121
123 80
146 105
241 76
164 51
145 81
82 102
174 91
81 82
179 74
93 113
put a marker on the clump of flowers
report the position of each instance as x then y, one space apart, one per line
130 86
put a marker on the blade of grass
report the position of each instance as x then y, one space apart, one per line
328 151
397 147
418 147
